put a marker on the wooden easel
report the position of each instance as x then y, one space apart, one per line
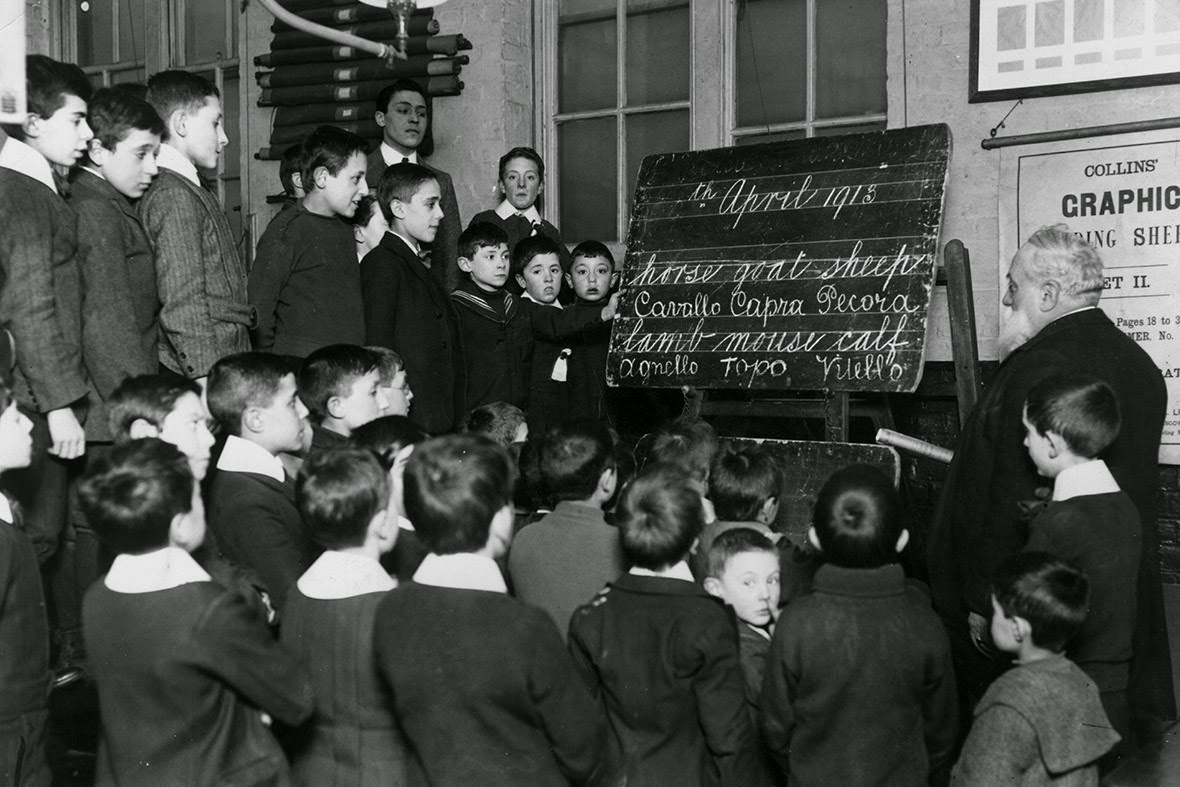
836 408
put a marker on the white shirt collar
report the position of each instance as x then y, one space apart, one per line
171 158
404 523
414 247
1088 478
678 571
336 575
505 211
526 296
19 157
461 571
242 456
391 156
161 569
6 514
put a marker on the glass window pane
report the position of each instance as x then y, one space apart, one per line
205 31
776 136
850 57
772 61
653 132
230 164
96 31
130 75
132 32
858 128
657 63
588 65
587 152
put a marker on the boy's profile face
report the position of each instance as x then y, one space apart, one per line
363 402
187 428
404 122
203 133
749 584
342 192
194 526
62 137
1040 449
16 441
541 278
591 278
521 182
131 166
371 233
397 395
488 267
284 419
419 218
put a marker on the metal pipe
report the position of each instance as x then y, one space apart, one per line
1080 133
914 445
383 51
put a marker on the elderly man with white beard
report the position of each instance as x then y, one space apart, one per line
1053 287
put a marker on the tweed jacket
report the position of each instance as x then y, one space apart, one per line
202 280
120 305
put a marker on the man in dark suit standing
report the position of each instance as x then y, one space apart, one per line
403 112
1053 287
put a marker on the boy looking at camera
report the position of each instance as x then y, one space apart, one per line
305 283
592 277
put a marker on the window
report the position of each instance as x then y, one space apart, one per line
622 79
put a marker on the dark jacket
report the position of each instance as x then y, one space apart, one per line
205 313
306 284
484 690
183 675
445 248
258 528
663 656
496 346
407 311
859 687
120 306
587 367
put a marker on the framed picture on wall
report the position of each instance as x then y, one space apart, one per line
1026 48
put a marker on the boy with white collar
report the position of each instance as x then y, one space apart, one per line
1069 421
344 497
468 665
205 312
252 396
187 671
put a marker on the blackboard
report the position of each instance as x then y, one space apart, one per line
806 466
801 265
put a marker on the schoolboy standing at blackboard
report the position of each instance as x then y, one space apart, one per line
592 276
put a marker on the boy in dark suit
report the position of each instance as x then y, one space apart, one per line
491 697
406 309
205 313
186 670
403 112
305 283
120 325
662 653
251 498
592 277
341 387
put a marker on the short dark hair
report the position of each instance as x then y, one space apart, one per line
6 397
389 362
1052 595
573 456
330 147
592 248
734 542
857 518
49 81
659 515
454 486
113 114
426 146
479 235
330 371
533 246
131 494
240 381
364 211
338 493
741 480
401 182
384 437
291 163
1082 409
169 91
688 443
150 397
522 152
497 421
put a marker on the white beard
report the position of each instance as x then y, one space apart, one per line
1015 330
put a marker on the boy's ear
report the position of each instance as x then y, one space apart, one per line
569 280
358 234
713 587
769 511
397 208
383 530
465 265
1022 629
902 540
178 122
319 177
1057 444
183 532
97 152
335 407
500 532
607 482
520 280
32 125
253 420
813 537
141 427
